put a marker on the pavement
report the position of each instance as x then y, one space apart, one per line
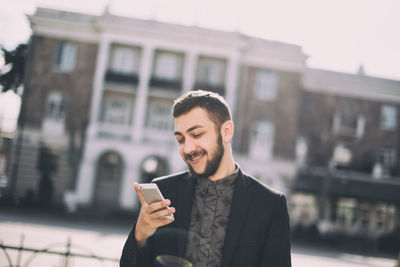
105 237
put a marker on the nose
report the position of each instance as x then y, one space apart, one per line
189 146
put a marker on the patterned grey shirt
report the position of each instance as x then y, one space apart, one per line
209 219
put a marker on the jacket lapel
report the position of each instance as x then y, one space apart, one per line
239 208
183 211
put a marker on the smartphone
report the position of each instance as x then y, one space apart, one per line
151 194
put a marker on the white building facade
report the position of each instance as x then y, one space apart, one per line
141 67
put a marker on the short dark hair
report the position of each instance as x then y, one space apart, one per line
215 105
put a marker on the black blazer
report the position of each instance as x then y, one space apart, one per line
257 234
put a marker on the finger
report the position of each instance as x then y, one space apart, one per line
164 221
159 205
162 213
139 194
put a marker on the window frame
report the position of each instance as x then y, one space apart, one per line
387 158
130 56
211 71
159 69
65 57
265 85
388 111
262 147
126 114
56 109
155 121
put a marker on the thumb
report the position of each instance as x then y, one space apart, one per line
139 194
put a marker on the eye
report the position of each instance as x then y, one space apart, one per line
196 135
180 140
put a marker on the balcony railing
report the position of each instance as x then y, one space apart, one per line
112 76
348 184
114 131
217 88
164 83
158 136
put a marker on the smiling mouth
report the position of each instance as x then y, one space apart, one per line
195 156
196 159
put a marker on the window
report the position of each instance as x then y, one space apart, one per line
56 107
386 158
64 59
301 152
348 117
346 121
54 117
159 117
346 212
364 211
381 214
168 66
124 60
262 140
388 117
351 128
390 219
117 109
265 86
211 71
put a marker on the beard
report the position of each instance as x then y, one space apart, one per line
212 164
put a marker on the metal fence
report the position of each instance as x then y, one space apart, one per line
66 255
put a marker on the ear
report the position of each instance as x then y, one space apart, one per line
227 129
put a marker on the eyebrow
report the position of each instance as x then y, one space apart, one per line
189 130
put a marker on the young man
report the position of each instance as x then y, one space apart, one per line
222 217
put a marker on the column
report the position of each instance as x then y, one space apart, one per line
128 199
231 81
143 88
86 176
98 84
189 73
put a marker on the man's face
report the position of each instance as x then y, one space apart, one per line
200 145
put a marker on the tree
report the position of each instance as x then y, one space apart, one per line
12 73
11 78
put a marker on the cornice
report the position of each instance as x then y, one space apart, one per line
351 85
89 28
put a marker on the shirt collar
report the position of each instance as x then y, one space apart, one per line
221 185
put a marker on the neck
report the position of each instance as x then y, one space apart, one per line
226 167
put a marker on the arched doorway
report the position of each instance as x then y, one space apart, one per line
153 166
108 180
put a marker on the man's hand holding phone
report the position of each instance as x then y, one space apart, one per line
151 217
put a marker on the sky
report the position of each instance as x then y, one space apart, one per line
338 35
